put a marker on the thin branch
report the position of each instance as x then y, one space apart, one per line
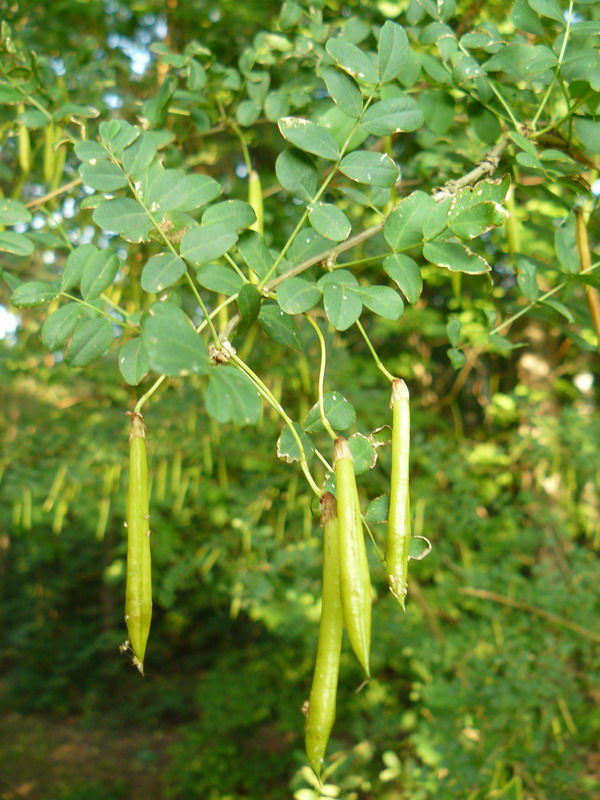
585 264
538 612
40 201
488 164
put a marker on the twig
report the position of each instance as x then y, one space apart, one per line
585 263
39 201
538 612
487 166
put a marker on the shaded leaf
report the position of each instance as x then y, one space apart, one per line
378 509
398 114
133 361
98 272
232 397
254 251
330 221
455 257
392 51
280 327
403 228
353 60
287 447
363 453
138 156
122 215
59 325
297 173
16 243
339 412
34 293
248 303
13 212
172 345
103 176
295 295
207 242
365 166
235 214
309 137
382 300
343 90
475 221
91 339
406 273
219 278
343 305
161 271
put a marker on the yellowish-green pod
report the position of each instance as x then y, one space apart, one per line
355 582
255 199
24 143
55 489
398 531
138 594
49 155
26 518
103 517
320 714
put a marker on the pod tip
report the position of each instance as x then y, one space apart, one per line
328 508
399 590
399 391
341 449
138 429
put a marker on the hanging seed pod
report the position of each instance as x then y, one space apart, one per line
255 199
176 473
161 480
55 489
398 531
320 713
138 594
26 516
354 567
103 516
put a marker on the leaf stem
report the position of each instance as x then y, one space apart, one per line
40 201
561 55
376 358
236 268
169 244
145 397
114 320
319 193
540 299
274 403
245 154
538 612
159 381
322 366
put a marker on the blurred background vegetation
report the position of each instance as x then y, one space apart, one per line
486 687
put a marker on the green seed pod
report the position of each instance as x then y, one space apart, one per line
103 517
161 480
55 489
320 715
255 199
138 595
24 149
398 531
27 502
49 155
355 581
